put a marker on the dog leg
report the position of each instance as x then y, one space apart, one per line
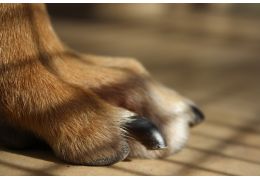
80 105
80 127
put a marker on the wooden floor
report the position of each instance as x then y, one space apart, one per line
219 71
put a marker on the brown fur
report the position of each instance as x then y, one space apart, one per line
76 103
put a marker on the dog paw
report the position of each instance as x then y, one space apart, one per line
106 142
172 114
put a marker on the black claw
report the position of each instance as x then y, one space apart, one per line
146 133
198 113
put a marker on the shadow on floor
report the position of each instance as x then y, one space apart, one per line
41 153
189 166
234 142
30 171
223 155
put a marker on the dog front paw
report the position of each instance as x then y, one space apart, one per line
106 142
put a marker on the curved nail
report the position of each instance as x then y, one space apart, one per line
146 133
198 113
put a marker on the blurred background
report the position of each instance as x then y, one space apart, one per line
209 53
204 51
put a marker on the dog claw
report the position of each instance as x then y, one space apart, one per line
198 113
146 133
199 116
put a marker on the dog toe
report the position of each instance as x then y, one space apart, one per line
109 161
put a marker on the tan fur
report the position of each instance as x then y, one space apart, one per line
75 102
